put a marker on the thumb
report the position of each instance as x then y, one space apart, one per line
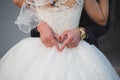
65 43
56 36
54 42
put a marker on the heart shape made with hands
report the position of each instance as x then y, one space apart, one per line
61 39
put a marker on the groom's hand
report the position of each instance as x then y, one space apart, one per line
48 37
70 38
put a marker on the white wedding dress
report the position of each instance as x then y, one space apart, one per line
31 60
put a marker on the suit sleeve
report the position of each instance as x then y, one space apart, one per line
93 30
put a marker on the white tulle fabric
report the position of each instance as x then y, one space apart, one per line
32 11
31 60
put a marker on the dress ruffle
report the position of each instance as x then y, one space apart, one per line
31 60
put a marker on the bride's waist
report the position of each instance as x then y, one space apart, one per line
60 25
60 21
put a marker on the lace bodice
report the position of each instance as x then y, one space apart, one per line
60 17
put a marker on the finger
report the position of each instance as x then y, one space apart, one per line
49 43
45 43
66 42
72 42
63 36
54 42
57 37
71 45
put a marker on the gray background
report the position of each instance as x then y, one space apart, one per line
10 33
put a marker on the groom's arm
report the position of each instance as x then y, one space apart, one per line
93 30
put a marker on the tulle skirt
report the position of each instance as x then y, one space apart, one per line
29 59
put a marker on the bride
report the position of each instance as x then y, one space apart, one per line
30 59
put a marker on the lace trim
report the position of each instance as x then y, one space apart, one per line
28 18
59 3
39 2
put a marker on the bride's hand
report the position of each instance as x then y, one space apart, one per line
48 37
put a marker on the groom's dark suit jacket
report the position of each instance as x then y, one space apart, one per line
93 30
